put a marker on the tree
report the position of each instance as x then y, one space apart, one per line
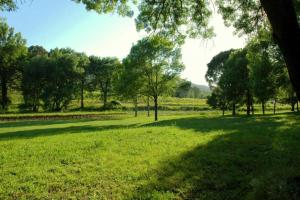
60 83
37 51
102 72
263 73
216 67
34 81
81 71
183 88
262 77
12 55
218 100
131 84
158 63
235 79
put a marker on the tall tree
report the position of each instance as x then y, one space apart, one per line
102 72
60 80
235 79
12 55
131 84
34 81
81 70
159 63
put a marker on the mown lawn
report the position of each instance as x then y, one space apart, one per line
179 157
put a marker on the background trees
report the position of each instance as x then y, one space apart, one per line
12 53
158 63
34 81
102 72
81 72
60 79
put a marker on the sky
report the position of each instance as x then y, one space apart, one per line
64 23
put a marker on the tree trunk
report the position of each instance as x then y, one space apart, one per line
155 108
248 102
104 98
148 106
252 108
297 105
223 111
81 95
274 108
263 107
4 93
233 109
286 33
293 106
135 107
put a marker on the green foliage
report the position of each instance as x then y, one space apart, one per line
235 79
217 100
60 79
102 73
262 71
34 80
12 54
183 88
7 5
216 67
109 6
160 63
37 51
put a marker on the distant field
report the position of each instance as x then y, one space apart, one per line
180 157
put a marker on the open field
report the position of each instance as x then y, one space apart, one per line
180 157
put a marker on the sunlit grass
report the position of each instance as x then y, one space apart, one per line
182 157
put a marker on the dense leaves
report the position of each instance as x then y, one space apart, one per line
12 54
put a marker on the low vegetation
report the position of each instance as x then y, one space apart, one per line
180 157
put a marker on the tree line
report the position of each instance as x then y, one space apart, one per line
254 74
52 79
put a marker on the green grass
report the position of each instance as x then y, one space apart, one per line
180 157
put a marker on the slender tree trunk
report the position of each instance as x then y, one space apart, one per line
248 102
81 95
233 109
4 93
135 106
293 106
148 106
155 108
286 33
274 108
104 98
223 110
263 107
297 105
252 108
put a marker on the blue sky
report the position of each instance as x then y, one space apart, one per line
63 23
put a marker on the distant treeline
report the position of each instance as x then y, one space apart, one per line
51 79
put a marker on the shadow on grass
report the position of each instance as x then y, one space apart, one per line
14 124
27 134
255 158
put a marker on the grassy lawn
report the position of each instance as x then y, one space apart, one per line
180 157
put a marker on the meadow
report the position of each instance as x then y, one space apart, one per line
183 156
